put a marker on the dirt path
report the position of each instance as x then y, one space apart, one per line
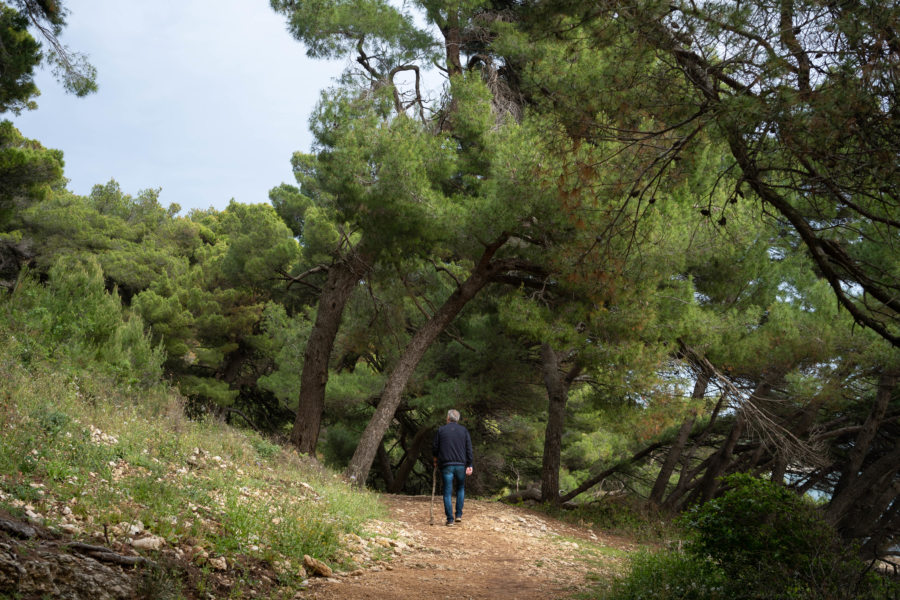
498 551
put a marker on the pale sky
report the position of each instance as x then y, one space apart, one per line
204 99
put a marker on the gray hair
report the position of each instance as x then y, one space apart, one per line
453 415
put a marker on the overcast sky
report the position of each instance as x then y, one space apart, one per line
204 99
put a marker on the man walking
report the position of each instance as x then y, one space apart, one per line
452 451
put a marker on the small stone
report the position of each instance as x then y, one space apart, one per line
218 563
152 542
134 528
316 567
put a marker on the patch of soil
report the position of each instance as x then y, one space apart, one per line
498 551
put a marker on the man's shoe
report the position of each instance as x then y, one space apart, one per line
459 519
449 522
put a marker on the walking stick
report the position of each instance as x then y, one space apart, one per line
433 487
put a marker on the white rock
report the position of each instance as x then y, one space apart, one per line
134 528
71 528
152 542
316 567
218 563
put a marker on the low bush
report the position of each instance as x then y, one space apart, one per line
672 575
772 543
757 541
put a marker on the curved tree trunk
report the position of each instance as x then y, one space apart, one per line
592 481
343 277
716 468
856 481
674 455
877 476
418 444
805 422
687 474
358 469
851 470
880 536
384 466
709 485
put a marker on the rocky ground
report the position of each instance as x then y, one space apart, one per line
498 551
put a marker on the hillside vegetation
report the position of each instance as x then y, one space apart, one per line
101 452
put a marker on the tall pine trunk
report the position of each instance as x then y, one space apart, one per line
557 395
556 409
391 396
343 277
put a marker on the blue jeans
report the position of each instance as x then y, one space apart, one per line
451 473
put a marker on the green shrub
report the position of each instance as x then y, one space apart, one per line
73 315
757 541
771 543
669 575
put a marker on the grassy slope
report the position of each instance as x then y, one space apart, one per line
99 461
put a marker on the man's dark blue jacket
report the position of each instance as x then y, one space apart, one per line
452 445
